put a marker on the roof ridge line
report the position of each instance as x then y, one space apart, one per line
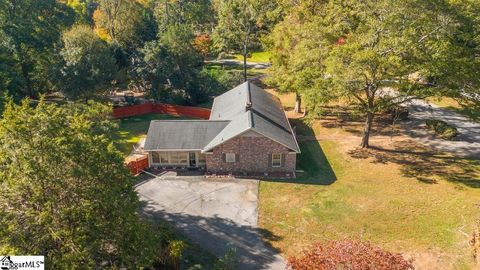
248 105
249 94
250 118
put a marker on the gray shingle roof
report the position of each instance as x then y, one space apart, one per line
182 134
229 118
237 126
265 116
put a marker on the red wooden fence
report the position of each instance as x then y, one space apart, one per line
136 166
169 109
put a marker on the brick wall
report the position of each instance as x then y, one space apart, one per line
253 156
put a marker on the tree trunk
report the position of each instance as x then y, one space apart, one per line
245 62
298 103
366 131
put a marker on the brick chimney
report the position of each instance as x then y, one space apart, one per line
248 106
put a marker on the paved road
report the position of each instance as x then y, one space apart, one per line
236 62
213 214
466 144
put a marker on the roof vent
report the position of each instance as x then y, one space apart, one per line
248 106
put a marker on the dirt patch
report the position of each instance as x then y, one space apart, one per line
430 260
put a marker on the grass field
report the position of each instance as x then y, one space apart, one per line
259 57
132 129
251 72
399 196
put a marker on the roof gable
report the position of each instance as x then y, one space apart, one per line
264 115
237 126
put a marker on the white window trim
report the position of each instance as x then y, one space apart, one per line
279 160
169 158
230 158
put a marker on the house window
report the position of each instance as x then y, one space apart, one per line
230 157
155 157
276 160
178 158
164 158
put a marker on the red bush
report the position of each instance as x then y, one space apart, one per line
348 255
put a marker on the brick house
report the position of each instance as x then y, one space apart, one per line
248 133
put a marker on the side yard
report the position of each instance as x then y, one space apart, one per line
398 195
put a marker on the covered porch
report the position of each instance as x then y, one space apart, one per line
176 159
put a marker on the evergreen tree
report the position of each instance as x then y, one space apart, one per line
65 191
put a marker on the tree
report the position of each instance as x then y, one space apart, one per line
203 44
242 23
366 52
30 29
65 191
81 10
236 27
184 12
127 22
462 79
87 65
348 254
170 69
282 42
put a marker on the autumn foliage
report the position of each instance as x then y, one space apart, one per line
202 44
348 254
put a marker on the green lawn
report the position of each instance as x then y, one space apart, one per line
411 203
132 129
251 72
259 57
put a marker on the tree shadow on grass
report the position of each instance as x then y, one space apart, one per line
424 165
217 235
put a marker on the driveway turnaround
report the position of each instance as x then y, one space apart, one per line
214 213
467 143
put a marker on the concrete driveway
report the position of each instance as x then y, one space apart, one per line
214 213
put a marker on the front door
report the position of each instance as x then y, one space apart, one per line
192 159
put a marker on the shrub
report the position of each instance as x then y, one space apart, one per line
203 44
229 261
442 129
398 112
348 254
